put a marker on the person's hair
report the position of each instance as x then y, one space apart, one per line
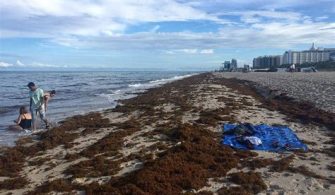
52 92
23 110
31 84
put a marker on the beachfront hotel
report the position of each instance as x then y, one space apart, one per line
308 56
313 55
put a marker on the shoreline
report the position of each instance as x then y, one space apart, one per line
174 130
101 101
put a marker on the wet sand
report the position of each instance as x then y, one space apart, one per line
167 141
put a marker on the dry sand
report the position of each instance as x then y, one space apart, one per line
203 97
317 88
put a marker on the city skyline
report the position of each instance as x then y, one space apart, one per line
311 55
164 35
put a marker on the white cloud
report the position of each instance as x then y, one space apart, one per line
207 51
184 51
190 51
258 16
19 63
5 65
169 52
260 4
258 35
320 18
44 65
56 18
103 24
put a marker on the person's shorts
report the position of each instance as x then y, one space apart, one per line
40 111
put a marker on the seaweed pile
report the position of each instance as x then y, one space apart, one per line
182 158
302 111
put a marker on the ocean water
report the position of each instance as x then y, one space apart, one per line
77 93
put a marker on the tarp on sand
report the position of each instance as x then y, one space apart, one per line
274 138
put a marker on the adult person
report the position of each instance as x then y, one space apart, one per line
37 106
23 121
292 68
47 97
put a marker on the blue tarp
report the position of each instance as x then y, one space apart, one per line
274 138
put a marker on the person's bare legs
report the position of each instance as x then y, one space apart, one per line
42 114
33 124
33 119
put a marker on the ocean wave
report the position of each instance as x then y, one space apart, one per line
158 82
136 85
163 81
113 98
77 85
109 97
117 91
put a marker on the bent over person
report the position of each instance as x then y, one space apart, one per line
37 106
47 97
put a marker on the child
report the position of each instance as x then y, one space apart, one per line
23 121
47 97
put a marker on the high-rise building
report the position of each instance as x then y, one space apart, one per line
308 56
295 57
233 64
331 53
267 61
226 65
230 65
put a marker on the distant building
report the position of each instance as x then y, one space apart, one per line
229 65
308 56
295 57
233 64
331 52
226 65
267 61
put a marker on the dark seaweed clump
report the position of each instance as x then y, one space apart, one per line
12 159
301 111
10 184
183 167
249 181
57 185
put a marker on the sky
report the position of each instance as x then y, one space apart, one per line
157 34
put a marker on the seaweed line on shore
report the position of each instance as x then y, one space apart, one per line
162 141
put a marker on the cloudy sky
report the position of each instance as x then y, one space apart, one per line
157 34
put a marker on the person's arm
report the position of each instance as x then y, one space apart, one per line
46 101
18 120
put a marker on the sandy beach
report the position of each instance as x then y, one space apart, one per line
316 88
167 141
